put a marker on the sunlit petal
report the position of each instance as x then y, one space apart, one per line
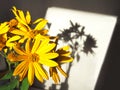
41 25
50 55
38 20
4 28
40 70
18 32
18 51
27 46
38 75
28 17
36 43
46 48
47 62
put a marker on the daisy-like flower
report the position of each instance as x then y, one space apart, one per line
61 59
32 58
4 28
23 29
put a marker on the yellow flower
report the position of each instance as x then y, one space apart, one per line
62 58
23 27
27 33
23 33
4 28
32 59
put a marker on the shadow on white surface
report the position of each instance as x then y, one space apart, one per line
83 74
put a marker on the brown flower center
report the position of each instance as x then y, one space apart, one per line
33 57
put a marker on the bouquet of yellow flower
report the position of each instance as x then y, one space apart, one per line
28 49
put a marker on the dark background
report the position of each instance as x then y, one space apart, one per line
109 78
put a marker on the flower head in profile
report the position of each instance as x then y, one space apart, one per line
64 57
4 28
33 58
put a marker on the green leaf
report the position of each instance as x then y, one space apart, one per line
7 76
25 84
13 84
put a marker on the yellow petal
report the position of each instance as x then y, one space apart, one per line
50 71
44 42
24 72
51 55
20 68
18 51
22 16
10 42
4 28
14 38
18 32
21 21
55 76
22 57
48 48
41 25
38 75
61 71
38 20
47 62
14 10
64 59
40 70
22 40
65 48
22 27
36 43
31 73
27 46
28 17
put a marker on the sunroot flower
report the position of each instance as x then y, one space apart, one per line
4 28
64 57
32 58
23 31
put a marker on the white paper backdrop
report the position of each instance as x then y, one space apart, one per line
83 74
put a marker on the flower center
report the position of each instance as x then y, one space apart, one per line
33 57
30 34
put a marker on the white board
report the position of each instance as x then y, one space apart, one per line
84 74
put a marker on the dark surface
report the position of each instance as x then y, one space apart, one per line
109 78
